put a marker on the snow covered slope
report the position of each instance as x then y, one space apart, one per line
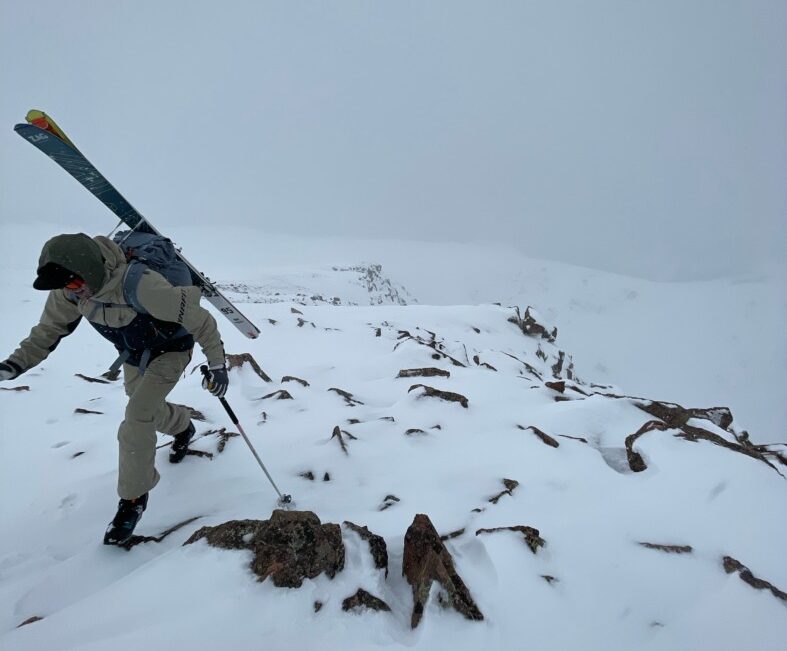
57 481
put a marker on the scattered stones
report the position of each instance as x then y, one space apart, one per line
426 560
677 416
362 599
510 485
292 378
281 394
388 502
94 380
302 322
530 327
307 475
289 547
348 397
30 620
732 565
431 392
79 410
23 387
424 372
546 438
339 433
236 361
669 549
377 546
541 354
532 536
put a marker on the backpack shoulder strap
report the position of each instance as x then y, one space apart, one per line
131 280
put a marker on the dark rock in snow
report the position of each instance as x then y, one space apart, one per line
292 378
388 502
281 394
290 547
669 549
636 462
530 327
79 410
732 565
363 599
546 438
424 372
510 485
377 546
348 397
531 535
93 380
23 387
431 392
30 620
427 560
339 434
236 361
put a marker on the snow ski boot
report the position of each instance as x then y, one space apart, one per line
181 444
122 526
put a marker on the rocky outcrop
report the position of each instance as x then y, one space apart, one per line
290 547
732 565
426 560
531 327
431 392
545 438
423 372
363 600
377 546
237 361
531 535
510 486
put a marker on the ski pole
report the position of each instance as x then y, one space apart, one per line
284 499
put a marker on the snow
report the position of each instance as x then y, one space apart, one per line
658 341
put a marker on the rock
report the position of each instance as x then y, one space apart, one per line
79 410
348 397
669 549
531 327
531 535
339 434
431 392
542 435
30 620
363 599
237 361
427 560
560 386
510 485
732 565
388 502
423 372
377 546
636 462
23 387
292 378
281 394
317 606
290 547
94 380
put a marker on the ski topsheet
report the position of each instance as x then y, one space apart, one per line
50 139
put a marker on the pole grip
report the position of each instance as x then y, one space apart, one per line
224 403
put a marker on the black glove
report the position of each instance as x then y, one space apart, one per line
216 380
8 370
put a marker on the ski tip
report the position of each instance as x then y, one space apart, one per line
43 121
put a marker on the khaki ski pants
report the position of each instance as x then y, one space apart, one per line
146 413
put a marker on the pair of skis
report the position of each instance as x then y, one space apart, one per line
42 132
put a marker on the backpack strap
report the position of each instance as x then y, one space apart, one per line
131 281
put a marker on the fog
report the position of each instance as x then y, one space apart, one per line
645 138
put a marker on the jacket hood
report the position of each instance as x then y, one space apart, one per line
93 259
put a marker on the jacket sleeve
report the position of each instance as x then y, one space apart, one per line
181 305
59 319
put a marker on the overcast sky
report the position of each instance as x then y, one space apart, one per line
636 136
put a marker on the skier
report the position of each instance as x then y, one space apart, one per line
85 277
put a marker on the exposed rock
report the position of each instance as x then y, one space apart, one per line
363 599
424 372
573 438
636 462
732 565
281 394
290 547
23 387
560 386
530 327
377 546
93 380
414 430
136 540
236 361
317 606
670 549
431 392
452 534
532 536
326 477
339 434
353 421
348 397
436 346
478 362
79 410
307 475
510 485
292 378
388 502
427 560
294 311
546 438
549 578
532 371
225 436
30 620
77 454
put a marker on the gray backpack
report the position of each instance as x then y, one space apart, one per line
148 251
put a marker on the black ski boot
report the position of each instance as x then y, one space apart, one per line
181 444
122 526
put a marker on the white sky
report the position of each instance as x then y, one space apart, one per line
643 137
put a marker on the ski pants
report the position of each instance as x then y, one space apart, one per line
146 413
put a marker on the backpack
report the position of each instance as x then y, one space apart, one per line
145 251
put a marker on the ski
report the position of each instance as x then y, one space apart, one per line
42 132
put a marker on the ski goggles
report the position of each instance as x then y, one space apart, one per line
75 283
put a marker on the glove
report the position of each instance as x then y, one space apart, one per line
216 381
7 370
